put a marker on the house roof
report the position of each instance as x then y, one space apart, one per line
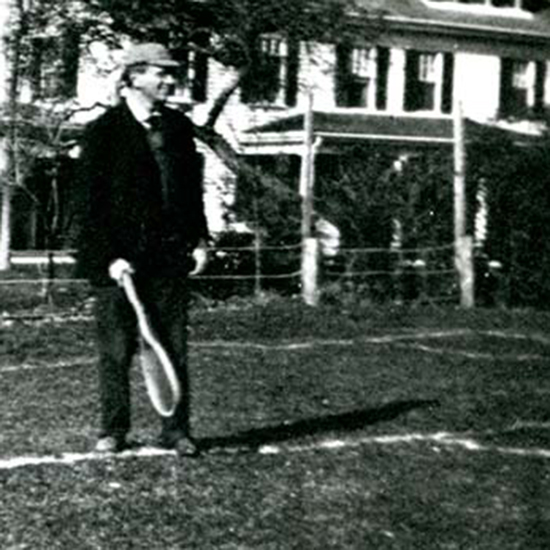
382 129
446 15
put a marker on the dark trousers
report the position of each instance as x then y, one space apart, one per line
166 302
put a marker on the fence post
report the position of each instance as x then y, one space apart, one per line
309 243
464 261
257 262
310 292
463 243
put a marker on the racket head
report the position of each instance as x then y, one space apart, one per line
160 380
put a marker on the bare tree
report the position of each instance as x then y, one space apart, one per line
37 131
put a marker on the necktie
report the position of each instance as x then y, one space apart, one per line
155 137
154 131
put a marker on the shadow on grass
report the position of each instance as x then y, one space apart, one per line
250 440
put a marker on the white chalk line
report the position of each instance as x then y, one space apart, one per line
534 337
8 321
438 439
477 355
396 339
289 345
74 362
311 344
69 459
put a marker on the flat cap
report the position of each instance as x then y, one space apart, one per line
149 53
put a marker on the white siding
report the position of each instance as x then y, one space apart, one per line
4 30
396 81
317 64
477 85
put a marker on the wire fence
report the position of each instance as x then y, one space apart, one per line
377 274
395 274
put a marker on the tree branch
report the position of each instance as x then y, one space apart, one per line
240 166
222 99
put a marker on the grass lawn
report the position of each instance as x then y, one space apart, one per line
409 428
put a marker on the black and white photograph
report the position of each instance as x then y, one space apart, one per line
274 274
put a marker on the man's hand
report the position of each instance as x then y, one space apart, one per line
200 255
118 268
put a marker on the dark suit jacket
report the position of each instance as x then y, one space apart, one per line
122 213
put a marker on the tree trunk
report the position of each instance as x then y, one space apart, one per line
10 176
5 230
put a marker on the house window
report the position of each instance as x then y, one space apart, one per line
528 5
272 77
53 66
429 81
196 68
192 76
521 87
428 69
506 3
361 76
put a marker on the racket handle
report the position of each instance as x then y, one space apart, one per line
131 294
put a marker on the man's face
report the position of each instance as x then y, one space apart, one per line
154 83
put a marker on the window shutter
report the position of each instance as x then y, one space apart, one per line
412 92
199 86
269 75
382 72
506 72
343 53
540 80
292 70
248 84
448 83
35 67
70 55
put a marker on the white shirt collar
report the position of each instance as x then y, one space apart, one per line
141 111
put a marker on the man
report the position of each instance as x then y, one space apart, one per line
141 212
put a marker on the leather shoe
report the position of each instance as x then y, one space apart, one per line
110 444
186 447
183 445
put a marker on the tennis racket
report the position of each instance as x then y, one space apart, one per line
162 384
